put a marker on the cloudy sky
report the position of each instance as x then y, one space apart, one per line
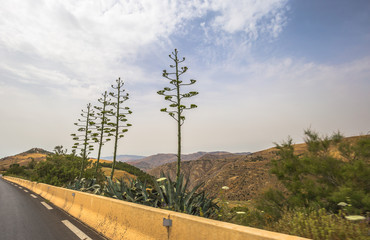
265 70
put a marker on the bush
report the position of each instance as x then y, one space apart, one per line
320 225
60 169
15 169
319 177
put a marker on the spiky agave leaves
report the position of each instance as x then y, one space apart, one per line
175 196
165 193
85 185
131 190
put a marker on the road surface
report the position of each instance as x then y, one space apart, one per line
25 215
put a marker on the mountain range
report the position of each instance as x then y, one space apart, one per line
154 161
246 174
125 158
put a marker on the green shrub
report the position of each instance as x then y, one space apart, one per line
15 169
272 202
318 177
320 225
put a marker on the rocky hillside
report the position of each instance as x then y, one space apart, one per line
246 175
38 154
153 161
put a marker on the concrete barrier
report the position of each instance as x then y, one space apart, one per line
118 219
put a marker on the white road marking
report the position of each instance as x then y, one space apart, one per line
33 196
20 187
75 230
46 205
25 190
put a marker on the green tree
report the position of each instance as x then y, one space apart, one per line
103 132
174 95
58 169
84 140
118 126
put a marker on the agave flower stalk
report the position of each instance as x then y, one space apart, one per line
84 140
103 132
174 95
119 126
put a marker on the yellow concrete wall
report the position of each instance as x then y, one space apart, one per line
118 219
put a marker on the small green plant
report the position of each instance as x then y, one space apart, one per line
224 211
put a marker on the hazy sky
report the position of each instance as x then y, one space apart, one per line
266 69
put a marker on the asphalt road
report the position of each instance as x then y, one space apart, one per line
24 215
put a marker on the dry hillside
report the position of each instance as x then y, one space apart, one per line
24 158
153 161
245 175
118 174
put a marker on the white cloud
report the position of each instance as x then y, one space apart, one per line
251 16
93 40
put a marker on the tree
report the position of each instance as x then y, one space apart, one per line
119 126
174 96
102 130
58 169
84 141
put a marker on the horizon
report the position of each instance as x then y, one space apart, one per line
144 156
265 70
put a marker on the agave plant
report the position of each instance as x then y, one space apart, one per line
174 196
85 185
164 193
132 190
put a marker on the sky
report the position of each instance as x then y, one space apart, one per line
265 70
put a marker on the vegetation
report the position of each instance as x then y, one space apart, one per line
327 188
58 169
102 131
327 191
320 224
164 193
84 141
321 178
174 96
141 175
119 126
15 169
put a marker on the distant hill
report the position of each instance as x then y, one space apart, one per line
245 175
154 161
38 154
125 158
